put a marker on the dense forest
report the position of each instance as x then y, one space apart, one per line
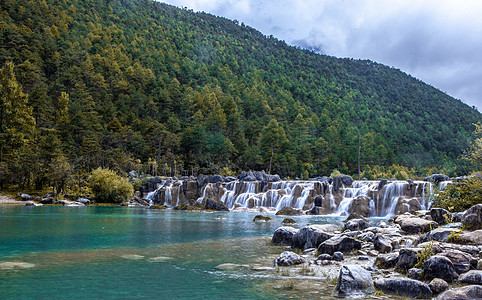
141 85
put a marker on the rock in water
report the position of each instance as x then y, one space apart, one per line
289 211
439 267
310 237
288 258
11 265
356 224
403 287
470 292
353 281
284 236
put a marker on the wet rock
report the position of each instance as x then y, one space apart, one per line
83 201
288 221
32 203
436 178
361 206
472 218
340 243
12 265
439 267
289 211
338 256
215 205
471 277
462 261
229 266
440 215
324 256
288 258
353 281
403 287
417 225
261 218
470 292
387 261
159 259
438 285
132 257
407 258
415 273
340 180
48 200
25 197
382 244
284 236
310 237
439 234
316 211
356 224
319 201
355 215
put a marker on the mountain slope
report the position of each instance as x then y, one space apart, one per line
192 92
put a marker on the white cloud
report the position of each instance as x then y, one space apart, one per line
438 41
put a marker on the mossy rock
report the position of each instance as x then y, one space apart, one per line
288 221
188 207
260 218
289 211
158 207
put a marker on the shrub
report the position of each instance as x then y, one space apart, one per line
107 186
460 196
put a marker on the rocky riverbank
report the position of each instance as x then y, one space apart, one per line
421 255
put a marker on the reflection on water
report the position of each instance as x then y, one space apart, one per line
112 252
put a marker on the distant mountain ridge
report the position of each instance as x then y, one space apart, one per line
146 83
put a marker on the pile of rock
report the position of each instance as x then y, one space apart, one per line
421 258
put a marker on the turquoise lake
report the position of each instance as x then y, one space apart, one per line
135 253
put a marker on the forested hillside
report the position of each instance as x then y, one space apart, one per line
147 86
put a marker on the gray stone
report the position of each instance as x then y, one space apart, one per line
462 261
438 285
340 243
387 261
356 224
439 267
353 281
25 197
470 292
340 180
32 203
382 244
83 201
288 258
324 256
417 225
440 215
407 258
439 234
472 218
284 236
471 277
338 256
403 287
415 273
437 178
471 237
310 237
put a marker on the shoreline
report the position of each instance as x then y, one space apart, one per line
5 200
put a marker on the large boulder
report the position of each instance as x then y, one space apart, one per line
417 225
356 225
440 215
439 266
462 261
319 200
407 258
353 281
403 287
310 237
387 261
382 244
340 243
25 197
439 234
472 219
32 203
288 258
470 292
471 277
471 237
284 236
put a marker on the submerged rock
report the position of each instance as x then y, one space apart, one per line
288 258
230 266
403 287
261 218
288 221
159 259
353 281
133 257
11 265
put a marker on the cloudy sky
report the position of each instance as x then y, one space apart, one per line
437 41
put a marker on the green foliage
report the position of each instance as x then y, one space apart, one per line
388 172
462 195
475 150
107 186
141 85
425 254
